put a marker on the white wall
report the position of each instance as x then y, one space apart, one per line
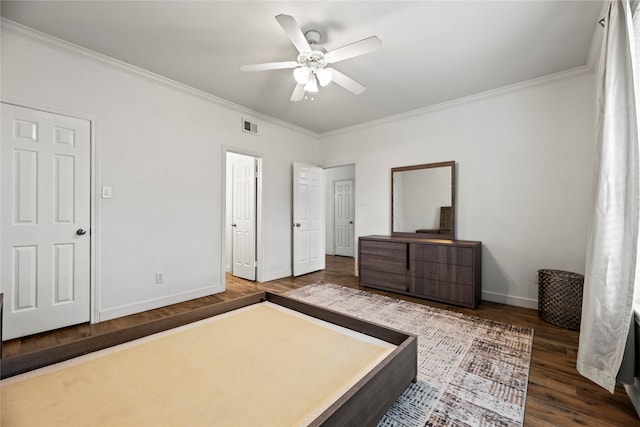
524 169
524 159
160 147
331 175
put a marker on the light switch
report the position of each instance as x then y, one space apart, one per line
106 192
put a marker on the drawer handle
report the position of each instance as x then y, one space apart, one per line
408 257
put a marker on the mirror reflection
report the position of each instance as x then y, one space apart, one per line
423 200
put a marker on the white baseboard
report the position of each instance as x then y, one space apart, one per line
510 300
125 310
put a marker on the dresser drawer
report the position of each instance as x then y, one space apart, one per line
390 249
422 287
383 263
378 279
442 291
455 293
442 254
443 272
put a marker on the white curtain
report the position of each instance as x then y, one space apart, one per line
612 265
635 12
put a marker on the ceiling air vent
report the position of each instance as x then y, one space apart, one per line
249 127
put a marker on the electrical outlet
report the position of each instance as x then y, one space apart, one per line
159 278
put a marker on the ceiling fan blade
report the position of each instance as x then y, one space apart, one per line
269 66
346 82
354 49
298 93
291 27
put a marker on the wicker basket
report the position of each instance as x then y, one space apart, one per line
560 298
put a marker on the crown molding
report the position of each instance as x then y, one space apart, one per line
590 66
28 32
562 75
8 25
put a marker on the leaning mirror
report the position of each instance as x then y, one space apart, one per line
423 200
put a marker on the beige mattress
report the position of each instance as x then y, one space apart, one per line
262 365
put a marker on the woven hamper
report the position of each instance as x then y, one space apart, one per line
560 298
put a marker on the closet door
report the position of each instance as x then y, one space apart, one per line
45 220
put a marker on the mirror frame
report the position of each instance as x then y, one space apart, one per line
450 164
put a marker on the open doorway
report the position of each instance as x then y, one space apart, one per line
340 190
243 213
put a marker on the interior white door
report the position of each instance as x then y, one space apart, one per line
45 225
343 220
308 219
243 227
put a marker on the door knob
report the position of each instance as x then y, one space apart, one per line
350 222
81 231
297 224
234 225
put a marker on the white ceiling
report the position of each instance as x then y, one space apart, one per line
431 52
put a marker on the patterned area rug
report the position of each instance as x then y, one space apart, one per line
471 371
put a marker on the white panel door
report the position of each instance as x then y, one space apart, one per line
243 213
343 220
45 220
308 219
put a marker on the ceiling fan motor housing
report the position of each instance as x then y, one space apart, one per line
313 59
312 36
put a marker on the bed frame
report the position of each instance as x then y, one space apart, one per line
362 405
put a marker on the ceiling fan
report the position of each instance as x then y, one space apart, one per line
310 67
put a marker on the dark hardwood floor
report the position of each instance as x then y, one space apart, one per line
557 394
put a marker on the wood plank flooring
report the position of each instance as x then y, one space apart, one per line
557 394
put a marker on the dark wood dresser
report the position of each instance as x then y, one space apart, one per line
448 271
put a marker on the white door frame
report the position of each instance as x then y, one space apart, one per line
94 310
355 204
356 224
226 221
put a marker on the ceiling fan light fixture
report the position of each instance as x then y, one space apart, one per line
324 76
301 75
310 67
312 84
